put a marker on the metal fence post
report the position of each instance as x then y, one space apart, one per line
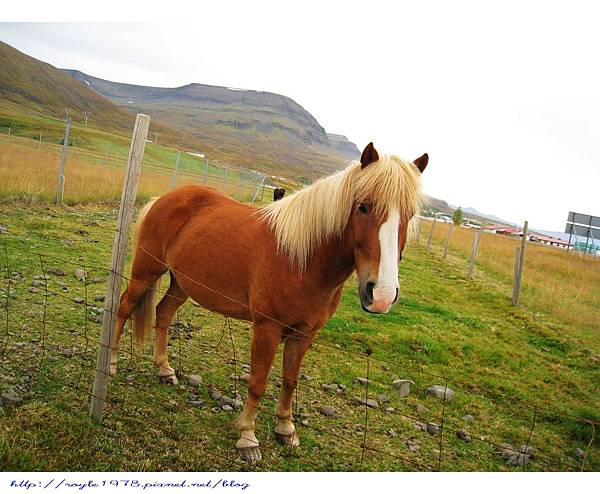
260 185
61 170
205 170
225 180
431 233
474 252
174 177
520 260
113 290
450 228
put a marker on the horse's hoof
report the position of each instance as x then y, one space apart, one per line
251 454
290 440
169 379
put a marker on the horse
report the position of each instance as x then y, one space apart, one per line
278 193
225 255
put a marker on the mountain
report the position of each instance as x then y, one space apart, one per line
254 128
344 147
30 86
474 213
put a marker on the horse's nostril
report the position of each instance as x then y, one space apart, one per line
396 297
369 289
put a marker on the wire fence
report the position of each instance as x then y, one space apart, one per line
52 312
357 412
547 274
95 156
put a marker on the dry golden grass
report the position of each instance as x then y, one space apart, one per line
555 281
30 174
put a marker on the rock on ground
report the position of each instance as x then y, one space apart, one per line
10 397
464 435
328 411
194 380
403 386
440 392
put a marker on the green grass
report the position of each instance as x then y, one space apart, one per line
504 363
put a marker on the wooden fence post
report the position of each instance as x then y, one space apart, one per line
61 171
474 252
431 233
448 240
418 229
520 260
113 289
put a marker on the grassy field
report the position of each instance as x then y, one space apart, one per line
29 168
524 374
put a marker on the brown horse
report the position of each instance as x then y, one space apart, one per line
225 256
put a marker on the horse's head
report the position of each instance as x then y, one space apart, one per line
386 198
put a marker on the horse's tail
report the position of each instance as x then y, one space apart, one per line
144 314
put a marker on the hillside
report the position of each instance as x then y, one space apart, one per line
252 128
33 87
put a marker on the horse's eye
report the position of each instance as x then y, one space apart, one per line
363 208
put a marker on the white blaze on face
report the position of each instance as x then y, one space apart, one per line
386 288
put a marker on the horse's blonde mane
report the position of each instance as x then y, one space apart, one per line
305 219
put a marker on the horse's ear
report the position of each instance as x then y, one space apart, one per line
421 163
369 155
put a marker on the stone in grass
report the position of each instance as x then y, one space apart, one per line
527 450
304 422
56 271
518 459
99 298
330 387
361 401
20 344
194 380
463 435
196 403
422 411
383 398
413 445
78 300
68 352
10 397
80 274
328 411
468 418
363 381
507 450
245 376
34 290
432 428
440 392
232 402
390 409
579 453
171 405
403 386
216 394
420 426
392 433
227 408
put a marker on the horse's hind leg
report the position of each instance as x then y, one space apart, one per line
135 290
165 311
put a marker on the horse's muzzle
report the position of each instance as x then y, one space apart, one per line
374 300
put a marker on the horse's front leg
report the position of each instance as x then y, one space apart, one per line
296 344
265 339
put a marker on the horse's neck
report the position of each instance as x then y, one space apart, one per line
332 262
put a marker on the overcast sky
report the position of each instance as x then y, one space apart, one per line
505 98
